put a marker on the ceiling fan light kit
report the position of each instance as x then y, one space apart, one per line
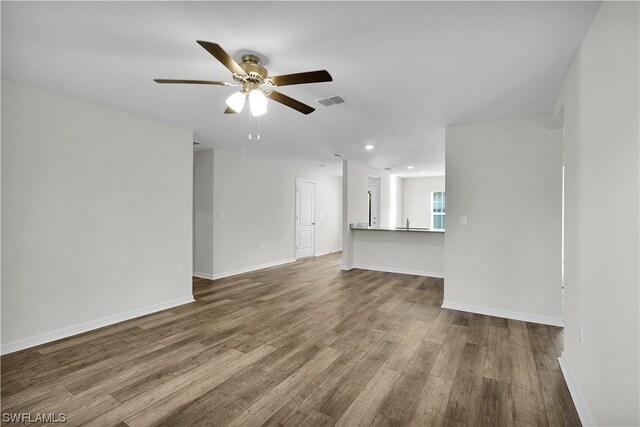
236 101
257 102
256 83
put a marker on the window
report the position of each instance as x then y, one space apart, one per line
437 210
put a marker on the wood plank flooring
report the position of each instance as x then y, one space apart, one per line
300 344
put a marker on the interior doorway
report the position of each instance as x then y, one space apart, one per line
562 284
373 194
305 218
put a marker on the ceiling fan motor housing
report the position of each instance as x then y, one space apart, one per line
256 73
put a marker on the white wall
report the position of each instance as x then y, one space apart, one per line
599 99
391 200
354 198
506 177
419 253
355 202
328 203
96 215
257 200
203 213
416 199
356 194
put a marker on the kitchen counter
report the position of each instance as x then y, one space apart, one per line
418 251
414 230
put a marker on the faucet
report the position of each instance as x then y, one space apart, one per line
408 223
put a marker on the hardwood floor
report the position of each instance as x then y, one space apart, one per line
300 344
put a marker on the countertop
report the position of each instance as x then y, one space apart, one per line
406 230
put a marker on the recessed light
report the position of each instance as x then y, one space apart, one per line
337 155
421 173
409 167
388 169
369 147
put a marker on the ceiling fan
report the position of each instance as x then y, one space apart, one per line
255 82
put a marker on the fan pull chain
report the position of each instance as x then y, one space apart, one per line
251 128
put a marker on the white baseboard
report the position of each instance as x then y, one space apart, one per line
515 315
399 270
249 269
576 394
33 341
253 267
346 267
331 251
201 275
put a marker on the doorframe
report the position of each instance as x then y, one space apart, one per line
376 208
295 219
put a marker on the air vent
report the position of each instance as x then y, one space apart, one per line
388 169
332 100
337 155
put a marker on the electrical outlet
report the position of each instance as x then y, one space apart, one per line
321 214
580 336
221 215
180 268
370 248
261 246
463 220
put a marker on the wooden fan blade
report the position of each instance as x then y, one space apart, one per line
230 110
302 78
222 56
290 102
193 82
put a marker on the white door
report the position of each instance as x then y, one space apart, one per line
305 218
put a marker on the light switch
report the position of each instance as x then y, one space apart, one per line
221 215
321 214
463 220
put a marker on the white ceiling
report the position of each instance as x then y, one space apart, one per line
407 70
